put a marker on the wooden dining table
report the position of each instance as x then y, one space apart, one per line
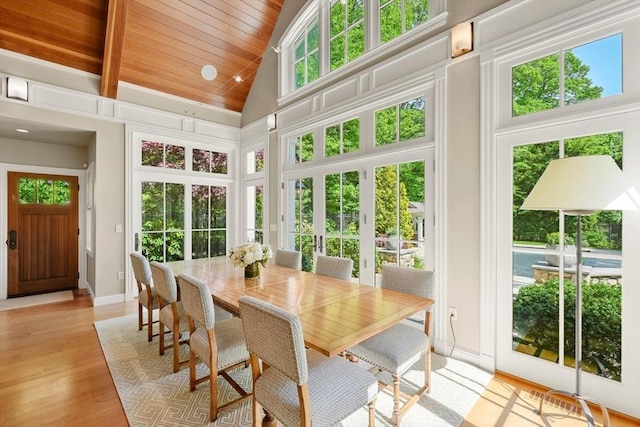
334 314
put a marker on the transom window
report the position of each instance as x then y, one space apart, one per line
301 149
161 155
346 38
329 35
209 161
306 62
400 16
342 138
586 72
400 122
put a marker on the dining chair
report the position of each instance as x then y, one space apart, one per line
287 258
172 315
298 386
146 292
220 345
336 267
396 349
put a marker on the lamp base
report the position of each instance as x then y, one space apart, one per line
582 400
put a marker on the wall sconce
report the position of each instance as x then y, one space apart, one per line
461 39
17 89
271 122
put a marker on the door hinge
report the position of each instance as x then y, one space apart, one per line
282 185
78 187
365 263
364 172
364 219
434 165
78 275
78 231
282 218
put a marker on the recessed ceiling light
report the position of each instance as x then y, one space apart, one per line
238 79
22 130
209 72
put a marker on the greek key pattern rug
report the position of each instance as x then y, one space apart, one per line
154 396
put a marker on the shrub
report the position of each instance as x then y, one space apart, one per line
536 313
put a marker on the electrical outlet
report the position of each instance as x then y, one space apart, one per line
453 313
120 275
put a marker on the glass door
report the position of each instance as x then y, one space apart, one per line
299 220
537 274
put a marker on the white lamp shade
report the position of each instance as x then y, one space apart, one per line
582 185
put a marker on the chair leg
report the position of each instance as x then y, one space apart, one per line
150 324
213 397
395 419
140 317
161 340
427 371
176 349
372 413
257 413
192 370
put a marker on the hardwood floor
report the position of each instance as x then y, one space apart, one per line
53 372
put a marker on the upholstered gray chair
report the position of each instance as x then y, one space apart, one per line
396 349
172 315
300 387
146 292
220 345
287 258
336 267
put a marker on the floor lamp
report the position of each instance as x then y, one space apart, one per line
579 186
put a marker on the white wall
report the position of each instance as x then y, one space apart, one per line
462 195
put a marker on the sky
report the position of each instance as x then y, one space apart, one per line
604 58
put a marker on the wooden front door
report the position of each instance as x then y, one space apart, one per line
43 233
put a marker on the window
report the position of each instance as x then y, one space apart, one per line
342 138
209 221
43 191
346 33
255 212
330 35
400 122
161 155
589 71
400 16
306 61
301 149
255 161
209 161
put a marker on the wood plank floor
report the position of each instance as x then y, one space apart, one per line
53 372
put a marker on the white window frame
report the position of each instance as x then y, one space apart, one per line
374 51
584 26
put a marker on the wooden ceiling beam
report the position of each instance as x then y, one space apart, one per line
114 38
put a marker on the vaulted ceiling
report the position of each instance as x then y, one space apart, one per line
156 44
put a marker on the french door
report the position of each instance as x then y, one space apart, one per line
536 282
179 217
375 211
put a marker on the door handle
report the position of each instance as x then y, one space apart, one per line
13 239
315 243
320 243
137 242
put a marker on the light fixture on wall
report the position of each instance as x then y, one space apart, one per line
17 89
581 185
272 122
461 39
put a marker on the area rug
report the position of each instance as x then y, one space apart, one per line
11 303
154 396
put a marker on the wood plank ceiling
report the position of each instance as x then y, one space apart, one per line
157 44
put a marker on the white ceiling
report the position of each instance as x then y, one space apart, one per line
44 133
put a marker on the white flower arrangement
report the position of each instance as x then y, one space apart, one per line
249 253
